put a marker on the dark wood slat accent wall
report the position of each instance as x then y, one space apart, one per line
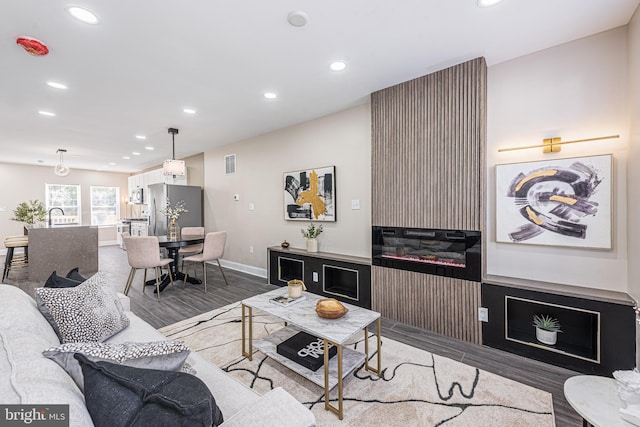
428 150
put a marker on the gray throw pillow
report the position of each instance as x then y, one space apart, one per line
164 355
90 312
118 395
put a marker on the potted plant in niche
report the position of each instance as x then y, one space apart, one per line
547 328
30 213
173 213
311 234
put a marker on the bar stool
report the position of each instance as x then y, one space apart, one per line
19 260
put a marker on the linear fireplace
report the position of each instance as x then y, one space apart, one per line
449 253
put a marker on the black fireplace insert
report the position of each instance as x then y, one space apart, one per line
449 253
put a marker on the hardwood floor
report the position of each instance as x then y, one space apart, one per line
177 304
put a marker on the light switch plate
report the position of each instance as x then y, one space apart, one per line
315 276
355 204
236 197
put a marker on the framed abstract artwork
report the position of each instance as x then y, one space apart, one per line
310 195
563 202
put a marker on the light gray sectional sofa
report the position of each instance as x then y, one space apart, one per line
28 377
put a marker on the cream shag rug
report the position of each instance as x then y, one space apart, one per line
417 388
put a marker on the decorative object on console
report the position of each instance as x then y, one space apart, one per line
311 234
284 244
554 145
562 202
310 194
547 328
296 287
172 166
629 393
330 308
30 212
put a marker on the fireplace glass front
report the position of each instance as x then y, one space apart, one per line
449 253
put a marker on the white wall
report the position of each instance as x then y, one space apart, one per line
342 139
573 91
633 177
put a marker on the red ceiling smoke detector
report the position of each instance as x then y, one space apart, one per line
33 46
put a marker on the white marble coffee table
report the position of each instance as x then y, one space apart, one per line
596 399
302 316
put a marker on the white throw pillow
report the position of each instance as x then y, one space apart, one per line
90 312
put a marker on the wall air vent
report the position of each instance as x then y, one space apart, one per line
230 164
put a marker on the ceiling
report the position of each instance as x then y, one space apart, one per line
145 61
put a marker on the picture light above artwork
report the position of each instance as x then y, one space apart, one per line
554 145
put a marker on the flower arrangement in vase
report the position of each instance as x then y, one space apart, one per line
311 234
173 213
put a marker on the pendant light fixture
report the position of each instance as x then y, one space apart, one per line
61 169
173 167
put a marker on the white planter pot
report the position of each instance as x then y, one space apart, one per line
312 245
546 337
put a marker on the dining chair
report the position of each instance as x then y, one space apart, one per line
188 250
144 253
213 249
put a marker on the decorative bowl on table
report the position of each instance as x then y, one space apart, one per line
330 308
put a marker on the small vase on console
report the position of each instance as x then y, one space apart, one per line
312 245
173 230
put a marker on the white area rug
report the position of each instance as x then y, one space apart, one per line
417 388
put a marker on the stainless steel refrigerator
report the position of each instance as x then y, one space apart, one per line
158 194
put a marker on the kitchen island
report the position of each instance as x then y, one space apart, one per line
61 248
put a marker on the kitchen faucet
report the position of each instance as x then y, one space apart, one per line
50 214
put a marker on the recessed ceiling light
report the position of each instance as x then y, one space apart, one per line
126 157
112 164
141 137
338 66
298 18
189 111
135 153
488 3
270 95
82 15
47 113
148 147
57 85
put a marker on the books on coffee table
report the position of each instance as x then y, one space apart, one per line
285 300
306 350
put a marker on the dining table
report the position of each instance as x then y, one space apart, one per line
173 246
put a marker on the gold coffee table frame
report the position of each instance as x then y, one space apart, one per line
247 351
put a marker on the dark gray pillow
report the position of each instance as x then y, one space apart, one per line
118 395
74 275
165 355
55 281
90 312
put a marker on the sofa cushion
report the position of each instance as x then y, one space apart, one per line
30 378
123 395
19 312
55 281
164 355
90 312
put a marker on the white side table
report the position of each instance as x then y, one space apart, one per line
596 400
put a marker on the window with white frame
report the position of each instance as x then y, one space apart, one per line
105 209
67 199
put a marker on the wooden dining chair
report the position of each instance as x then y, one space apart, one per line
144 253
213 249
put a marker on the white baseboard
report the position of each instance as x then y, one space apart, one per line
108 243
249 269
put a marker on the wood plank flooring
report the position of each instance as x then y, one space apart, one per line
177 304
